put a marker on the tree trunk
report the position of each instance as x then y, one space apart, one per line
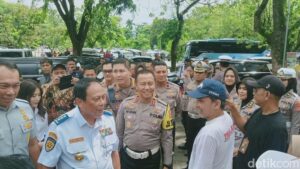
278 34
175 42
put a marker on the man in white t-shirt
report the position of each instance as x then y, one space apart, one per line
213 146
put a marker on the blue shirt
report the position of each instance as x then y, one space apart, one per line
17 127
73 143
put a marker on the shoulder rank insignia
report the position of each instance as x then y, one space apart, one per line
61 119
51 141
107 113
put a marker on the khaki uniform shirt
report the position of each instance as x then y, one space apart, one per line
17 127
116 95
194 112
289 105
144 126
170 94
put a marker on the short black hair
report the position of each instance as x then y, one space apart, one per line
10 66
159 63
70 59
88 67
46 60
122 61
107 62
142 72
81 86
223 103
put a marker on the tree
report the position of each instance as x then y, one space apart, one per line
78 32
272 28
179 28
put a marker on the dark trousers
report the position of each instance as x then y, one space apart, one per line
152 162
193 127
184 116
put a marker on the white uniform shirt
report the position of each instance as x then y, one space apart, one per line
79 145
213 146
41 125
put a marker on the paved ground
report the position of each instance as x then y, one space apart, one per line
179 158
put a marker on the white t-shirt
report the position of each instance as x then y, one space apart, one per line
213 146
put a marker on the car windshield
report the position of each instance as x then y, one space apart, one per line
251 67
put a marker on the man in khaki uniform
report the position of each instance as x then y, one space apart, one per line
194 120
144 126
107 74
123 86
167 91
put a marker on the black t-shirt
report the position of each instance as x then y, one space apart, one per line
263 132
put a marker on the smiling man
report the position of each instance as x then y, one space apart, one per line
17 127
86 136
144 126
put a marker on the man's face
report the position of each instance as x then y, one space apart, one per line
71 66
46 68
206 107
121 74
89 73
95 101
107 72
9 86
132 69
260 95
200 76
161 73
57 74
145 86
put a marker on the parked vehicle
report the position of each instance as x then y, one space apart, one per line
248 68
195 48
15 53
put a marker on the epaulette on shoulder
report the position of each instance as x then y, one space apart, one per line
22 101
161 102
107 113
61 119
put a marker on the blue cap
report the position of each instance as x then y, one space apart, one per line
209 88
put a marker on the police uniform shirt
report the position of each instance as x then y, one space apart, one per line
185 98
142 127
289 105
116 95
73 143
192 103
171 95
17 127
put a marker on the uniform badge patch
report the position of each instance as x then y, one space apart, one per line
50 142
106 131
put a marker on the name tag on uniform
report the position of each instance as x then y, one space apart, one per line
26 126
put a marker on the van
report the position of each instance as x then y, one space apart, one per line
15 53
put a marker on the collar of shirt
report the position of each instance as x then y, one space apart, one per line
12 106
81 121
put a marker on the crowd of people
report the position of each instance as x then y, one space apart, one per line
72 119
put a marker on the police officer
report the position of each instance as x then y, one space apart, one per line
107 74
17 127
195 120
289 103
144 126
123 86
85 137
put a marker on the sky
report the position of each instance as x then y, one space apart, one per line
141 15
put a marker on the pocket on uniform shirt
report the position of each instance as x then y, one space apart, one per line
111 143
79 153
